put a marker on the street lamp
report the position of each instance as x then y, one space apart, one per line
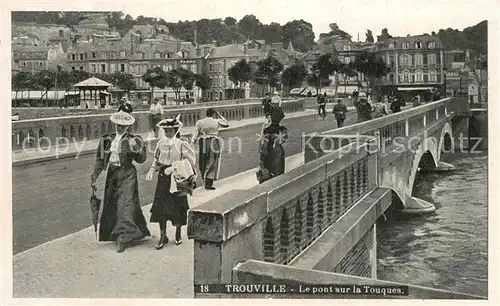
445 89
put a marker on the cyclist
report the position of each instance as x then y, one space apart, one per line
322 105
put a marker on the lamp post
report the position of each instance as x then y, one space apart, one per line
445 90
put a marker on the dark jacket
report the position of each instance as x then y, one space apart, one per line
125 108
340 111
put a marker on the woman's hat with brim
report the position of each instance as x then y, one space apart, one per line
172 123
122 118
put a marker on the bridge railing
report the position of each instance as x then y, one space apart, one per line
402 124
254 271
54 131
277 220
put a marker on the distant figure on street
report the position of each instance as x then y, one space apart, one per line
272 153
276 99
396 104
121 219
321 100
156 114
379 110
207 134
364 110
416 101
340 112
173 157
125 105
266 102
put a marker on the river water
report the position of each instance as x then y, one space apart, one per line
448 249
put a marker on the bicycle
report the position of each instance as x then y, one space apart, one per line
319 114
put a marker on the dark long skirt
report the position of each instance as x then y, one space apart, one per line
122 219
166 206
209 157
274 160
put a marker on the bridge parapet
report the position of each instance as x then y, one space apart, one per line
277 220
52 131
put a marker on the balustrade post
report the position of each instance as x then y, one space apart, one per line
425 120
407 127
437 114
373 252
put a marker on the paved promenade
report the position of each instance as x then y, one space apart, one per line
76 266
30 156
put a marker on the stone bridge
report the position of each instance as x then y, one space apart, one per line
316 224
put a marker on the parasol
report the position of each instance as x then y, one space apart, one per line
95 205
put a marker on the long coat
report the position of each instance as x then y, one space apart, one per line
121 218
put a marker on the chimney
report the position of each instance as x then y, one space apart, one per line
195 38
245 48
178 46
61 33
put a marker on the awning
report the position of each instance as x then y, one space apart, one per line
414 88
346 89
105 92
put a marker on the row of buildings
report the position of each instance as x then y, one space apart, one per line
416 62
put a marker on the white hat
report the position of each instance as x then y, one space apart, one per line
122 118
170 123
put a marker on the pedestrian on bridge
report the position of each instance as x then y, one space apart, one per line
170 203
272 153
340 112
364 109
276 99
121 218
156 113
125 105
207 134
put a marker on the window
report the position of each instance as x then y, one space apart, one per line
157 55
73 57
406 45
24 64
431 44
210 68
93 69
81 56
103 68
405 77
93 55
391 46
112 55
122 54
403 60
103 55
419 60
73 68
122 67
183 54
432 76
347 47
419 76
81 68
169 55
41 64
418 45
431 59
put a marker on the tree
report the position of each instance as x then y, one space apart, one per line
250 26
372 66
384 35
313 80
293 76
300 33
22 80
124 81
202 81
230 21
173 80
156 77
268 71
369 37
240 73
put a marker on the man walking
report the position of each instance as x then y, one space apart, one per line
125 105
340 112
322 105
156 114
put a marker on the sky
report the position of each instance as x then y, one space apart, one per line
401 17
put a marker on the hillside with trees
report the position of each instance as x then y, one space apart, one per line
222 31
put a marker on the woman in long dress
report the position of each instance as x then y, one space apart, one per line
121 218
166 205
272 153
207 131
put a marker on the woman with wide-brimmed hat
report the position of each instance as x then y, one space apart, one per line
167 204
121 218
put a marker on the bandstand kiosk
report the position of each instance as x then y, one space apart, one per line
94 93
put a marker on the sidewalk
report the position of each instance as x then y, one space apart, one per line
31 156
77 266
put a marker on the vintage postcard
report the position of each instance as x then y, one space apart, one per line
247 149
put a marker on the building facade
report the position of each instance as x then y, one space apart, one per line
416 62
33 59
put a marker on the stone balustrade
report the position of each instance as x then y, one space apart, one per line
51 131
403 124
277 220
